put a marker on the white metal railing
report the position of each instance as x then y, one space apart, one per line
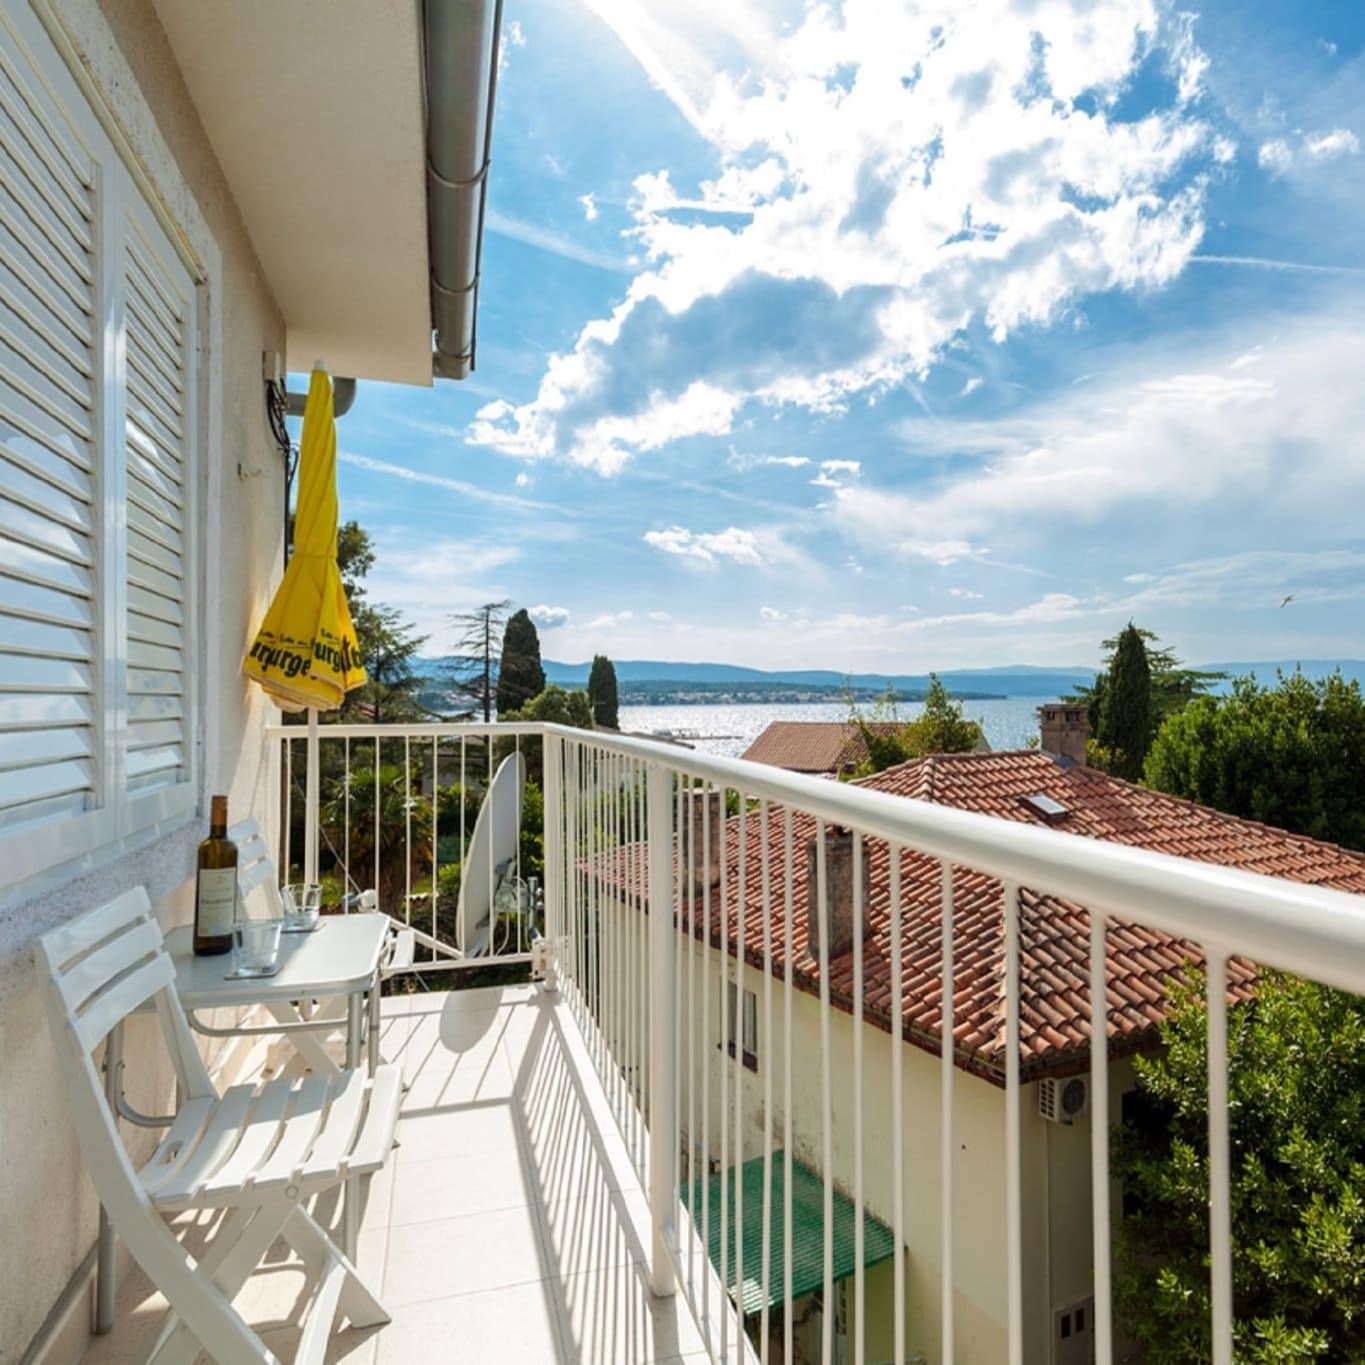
657 860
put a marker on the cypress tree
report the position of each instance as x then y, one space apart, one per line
1126 708
602 692
520 676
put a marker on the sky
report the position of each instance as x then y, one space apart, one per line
884 335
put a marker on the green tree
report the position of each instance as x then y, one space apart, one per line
390 805
940 728
1125 727
473 670
520 674
1296 1089
554 706
1289 755
602 692
388 646
1173 685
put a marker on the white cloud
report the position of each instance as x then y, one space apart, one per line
741 547
549 617
523 480
1138 578
965 593
589 203
971 386
790 461
608 619
1279 154
460 486
1170 436
1275 156
516 35
772 614
658 616
1328 46
428 580
841 466
1339 142
529 234
901 174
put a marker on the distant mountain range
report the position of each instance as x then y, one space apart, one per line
660 680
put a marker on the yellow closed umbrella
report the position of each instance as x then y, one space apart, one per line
305 654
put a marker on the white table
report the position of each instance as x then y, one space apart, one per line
339 959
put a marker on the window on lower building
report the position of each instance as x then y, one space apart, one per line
98 429
745 1029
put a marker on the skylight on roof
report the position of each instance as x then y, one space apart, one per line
1053 812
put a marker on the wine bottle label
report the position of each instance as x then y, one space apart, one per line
217 901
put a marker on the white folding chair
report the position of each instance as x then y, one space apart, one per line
258 1153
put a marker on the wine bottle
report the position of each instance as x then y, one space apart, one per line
215 899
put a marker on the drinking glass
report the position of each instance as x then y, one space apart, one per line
302 903
256 946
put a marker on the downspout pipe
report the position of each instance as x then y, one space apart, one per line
461 66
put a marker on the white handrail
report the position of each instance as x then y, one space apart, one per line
1309 930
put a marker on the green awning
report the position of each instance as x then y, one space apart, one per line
808 1231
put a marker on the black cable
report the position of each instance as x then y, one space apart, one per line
276 410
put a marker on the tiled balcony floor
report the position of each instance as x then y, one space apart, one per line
509 1225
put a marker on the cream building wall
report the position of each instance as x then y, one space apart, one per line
47 1205
719 1100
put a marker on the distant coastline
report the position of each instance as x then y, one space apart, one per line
665 692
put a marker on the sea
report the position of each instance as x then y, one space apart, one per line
728 729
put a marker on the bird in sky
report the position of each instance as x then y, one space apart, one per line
1287 600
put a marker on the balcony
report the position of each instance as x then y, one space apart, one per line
757 968
509 1218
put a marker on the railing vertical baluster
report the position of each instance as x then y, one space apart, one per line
407 829
387 909
1014 1238
488 861
859 1235
663 1162
435 834
705 873
826 1112
346 879
737 1042
1099 1136
311 802
788 960
683 846
766 1062
288 808
553 839
726 1184
946 1153
521 908
1220 1212
896 854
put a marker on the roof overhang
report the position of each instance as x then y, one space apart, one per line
317 112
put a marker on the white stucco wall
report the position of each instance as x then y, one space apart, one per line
46 1203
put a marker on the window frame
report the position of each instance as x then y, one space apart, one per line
748 1022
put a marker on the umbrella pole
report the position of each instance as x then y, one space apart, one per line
310 831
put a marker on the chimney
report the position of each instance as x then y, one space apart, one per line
702 839
1064 728
839 893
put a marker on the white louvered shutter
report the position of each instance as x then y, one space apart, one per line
158 334
52 762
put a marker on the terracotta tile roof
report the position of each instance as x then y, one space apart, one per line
1054 932
813 746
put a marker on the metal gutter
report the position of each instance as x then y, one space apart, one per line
460 59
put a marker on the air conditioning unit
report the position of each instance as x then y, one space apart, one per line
1064 1101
